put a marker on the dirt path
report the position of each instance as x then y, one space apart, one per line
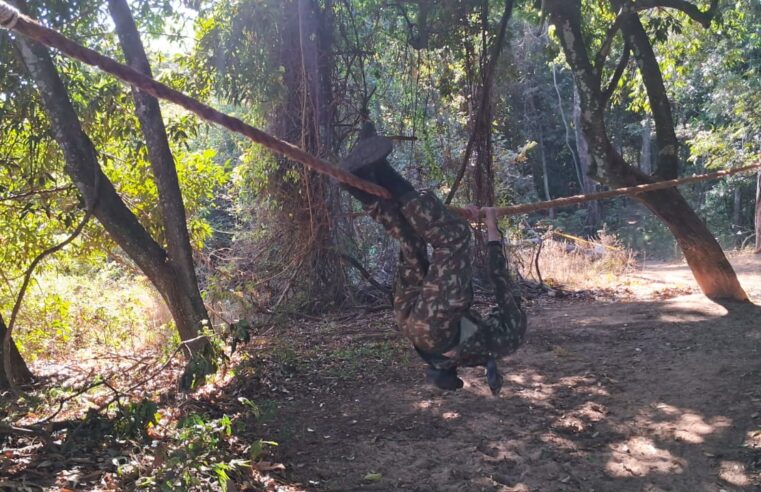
650 393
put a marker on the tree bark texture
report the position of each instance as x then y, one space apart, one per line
309 207
81 164
480 140
646 151
758 213
21 373
585 163
712 270
667 144
180 253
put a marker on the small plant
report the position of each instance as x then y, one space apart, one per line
134 419
199 457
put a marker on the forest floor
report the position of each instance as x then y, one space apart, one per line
641 386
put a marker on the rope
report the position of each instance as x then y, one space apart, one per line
9 16
11 19
619 192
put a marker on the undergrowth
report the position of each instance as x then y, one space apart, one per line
576 264
103 310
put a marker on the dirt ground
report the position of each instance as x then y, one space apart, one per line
650 387
641 386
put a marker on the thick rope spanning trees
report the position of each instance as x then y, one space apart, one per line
13 20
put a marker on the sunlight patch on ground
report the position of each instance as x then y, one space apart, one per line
581 418
734 472
530 386
685 425
538 394
639 457
753 439
424 405
559 441
691 309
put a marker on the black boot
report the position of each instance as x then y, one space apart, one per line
444 379
387 177
368 150
442 371
367 160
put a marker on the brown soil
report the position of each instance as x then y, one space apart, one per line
644 386
647 390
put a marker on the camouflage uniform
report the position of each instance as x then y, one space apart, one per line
432 298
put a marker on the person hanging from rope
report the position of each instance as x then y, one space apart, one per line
433 296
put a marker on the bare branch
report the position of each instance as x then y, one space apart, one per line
22 196
6 352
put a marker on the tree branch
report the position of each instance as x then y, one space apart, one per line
22 196
617 74
607 44
703 17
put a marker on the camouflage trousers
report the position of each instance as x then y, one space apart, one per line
431 295
503 330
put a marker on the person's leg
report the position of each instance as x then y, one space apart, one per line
411 272
413 257
447 291
413 269
433 322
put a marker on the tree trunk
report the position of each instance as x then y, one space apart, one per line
101 197
646 151
545 175
180 253
758 213
308 207
585 163
667 155
737 197
712 270
21 373
709 265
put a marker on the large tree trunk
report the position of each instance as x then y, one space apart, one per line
307 208
21 373
100 196
180 253
545 173
712 270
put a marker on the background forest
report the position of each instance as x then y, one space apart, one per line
179 231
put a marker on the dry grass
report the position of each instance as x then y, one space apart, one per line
578 265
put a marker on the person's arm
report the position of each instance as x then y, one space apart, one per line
498 263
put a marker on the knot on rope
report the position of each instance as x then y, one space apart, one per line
8 15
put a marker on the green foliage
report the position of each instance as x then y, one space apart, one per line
67 310
200 457
133 420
